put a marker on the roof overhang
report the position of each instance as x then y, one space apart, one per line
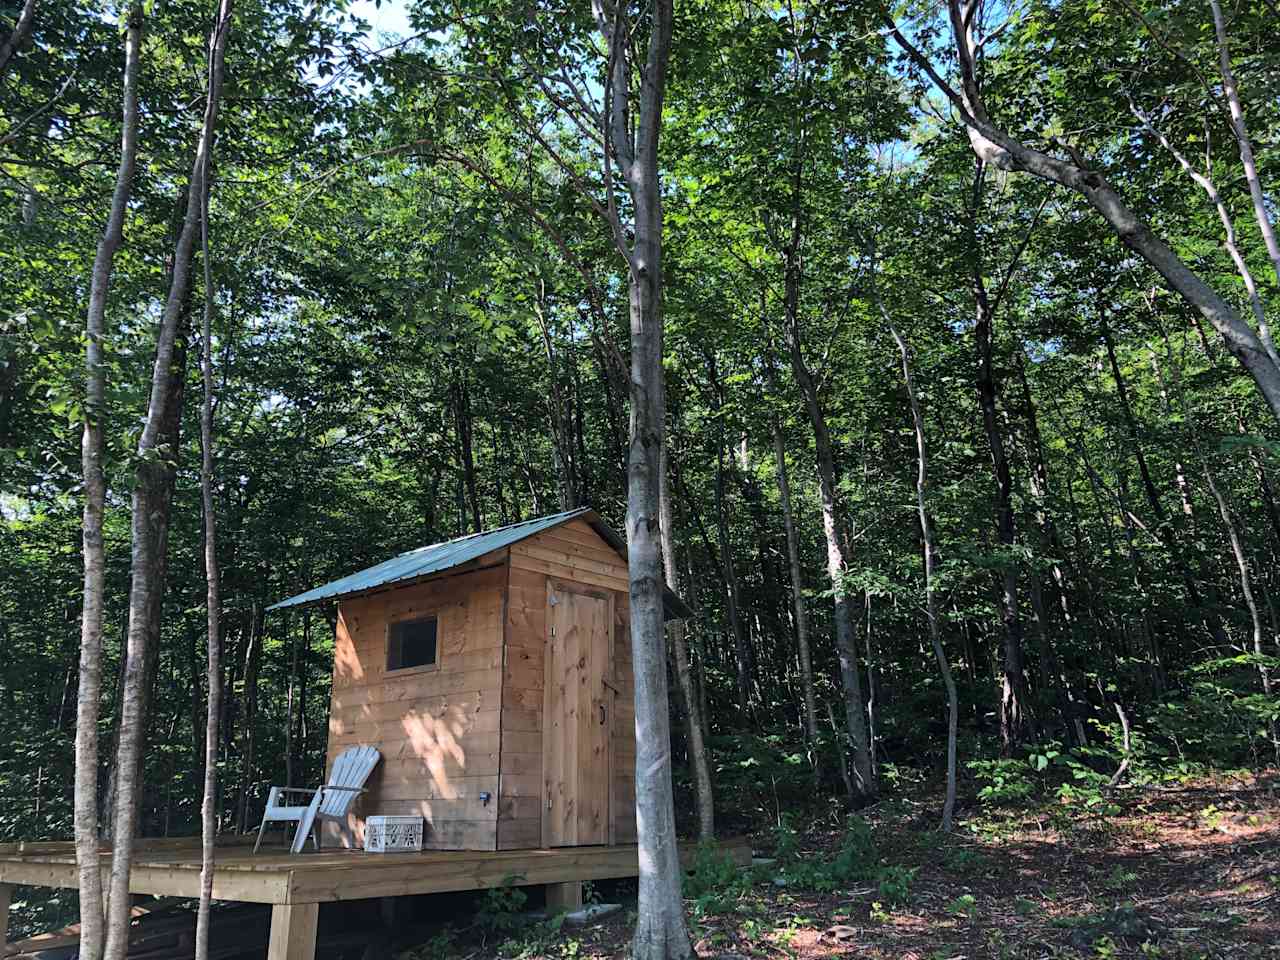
462 554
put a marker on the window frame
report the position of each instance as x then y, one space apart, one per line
411 617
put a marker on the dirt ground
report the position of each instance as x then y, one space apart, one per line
1187 872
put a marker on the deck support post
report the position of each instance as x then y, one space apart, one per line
6 893
293 931
562 897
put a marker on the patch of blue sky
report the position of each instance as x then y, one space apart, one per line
387 19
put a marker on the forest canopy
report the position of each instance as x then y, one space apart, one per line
1028 245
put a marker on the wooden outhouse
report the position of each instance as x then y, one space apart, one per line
493 672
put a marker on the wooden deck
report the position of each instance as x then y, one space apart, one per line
295 885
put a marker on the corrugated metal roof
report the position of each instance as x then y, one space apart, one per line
439 557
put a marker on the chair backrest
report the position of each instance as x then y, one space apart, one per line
351 768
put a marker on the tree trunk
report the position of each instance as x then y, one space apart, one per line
558 413
631 146
1017 721
92 930
797 597
1164 528
248 733
213 576
931 600
150 509
21 33
862 772
699 766
1246 591
466 449
1257 195
290 707
998 147
1039 477
303 731
741 645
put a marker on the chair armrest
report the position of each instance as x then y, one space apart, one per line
277 794
346 789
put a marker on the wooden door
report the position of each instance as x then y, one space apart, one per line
577 717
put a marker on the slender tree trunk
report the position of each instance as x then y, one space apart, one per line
1131 423
466 449
21 33
1246 591
741 645
213 576
862 772
1179 470
699 766
697 654
846 649
560 421
873 679
291 707
1238 126
1164 528
631 147
196 708
797 597
1040 489
1017 721
92 935
303 731
249 730
931 600
150 508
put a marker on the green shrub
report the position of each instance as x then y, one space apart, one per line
963 906
895 883
715 883
857 856
854 861
1223 719
500 907
786 841
713 871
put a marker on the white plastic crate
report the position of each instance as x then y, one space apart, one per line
392 834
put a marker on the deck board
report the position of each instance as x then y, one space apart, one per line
171 868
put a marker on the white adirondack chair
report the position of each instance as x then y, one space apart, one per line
351 768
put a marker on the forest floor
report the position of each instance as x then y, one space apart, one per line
1186 872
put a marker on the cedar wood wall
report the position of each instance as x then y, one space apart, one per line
474 725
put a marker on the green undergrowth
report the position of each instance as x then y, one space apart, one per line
717 885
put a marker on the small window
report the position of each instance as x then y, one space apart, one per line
412 643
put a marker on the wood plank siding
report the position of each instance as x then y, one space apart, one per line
572 554
437 728
473 723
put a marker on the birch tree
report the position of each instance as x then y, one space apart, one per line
150 506
632 124
213 575
95 493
